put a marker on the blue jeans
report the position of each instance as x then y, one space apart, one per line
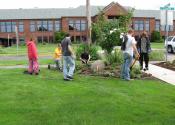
68 66
125 71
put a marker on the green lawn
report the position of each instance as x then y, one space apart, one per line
42 50
157 45
48 100
24 62
47 49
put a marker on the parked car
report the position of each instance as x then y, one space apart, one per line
170 44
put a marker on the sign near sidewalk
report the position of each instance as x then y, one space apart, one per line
166 15
166 19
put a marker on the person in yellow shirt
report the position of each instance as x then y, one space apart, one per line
58 57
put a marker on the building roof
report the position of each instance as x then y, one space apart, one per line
149 13
37 13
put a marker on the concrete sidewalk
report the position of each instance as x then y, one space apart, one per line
162 73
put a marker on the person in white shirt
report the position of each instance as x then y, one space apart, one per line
128 55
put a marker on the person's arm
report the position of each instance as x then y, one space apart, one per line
89 58
135 49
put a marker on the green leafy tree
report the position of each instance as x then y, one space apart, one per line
107 33
59 36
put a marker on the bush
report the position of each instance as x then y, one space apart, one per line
114 58
156 37
157 55
59 36
92 49
136 72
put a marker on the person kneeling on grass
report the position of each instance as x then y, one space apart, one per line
33 58
85 57
57 58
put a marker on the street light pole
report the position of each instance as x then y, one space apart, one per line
88 14
167 26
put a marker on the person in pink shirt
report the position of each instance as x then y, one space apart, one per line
32 57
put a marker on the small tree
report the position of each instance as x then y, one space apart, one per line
59 36
107 33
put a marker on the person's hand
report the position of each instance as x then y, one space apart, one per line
137 56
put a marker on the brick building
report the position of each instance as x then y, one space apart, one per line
42 23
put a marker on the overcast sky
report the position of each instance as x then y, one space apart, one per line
138 4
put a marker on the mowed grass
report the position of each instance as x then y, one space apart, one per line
43 49
22 50
157 46
25 62
48 100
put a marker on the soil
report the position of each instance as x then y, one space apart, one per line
111 72
166 65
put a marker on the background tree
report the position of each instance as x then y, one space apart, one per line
59 36
107 33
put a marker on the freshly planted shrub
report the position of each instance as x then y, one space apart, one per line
115 57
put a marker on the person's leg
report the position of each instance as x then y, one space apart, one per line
30 69
35 66
65 64
128 62
60 64
123 68
146 60
141 60
56 64
71 62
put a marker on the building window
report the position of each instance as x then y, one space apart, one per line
136 25
32 26
9 26
71 25
13 26
141 25
21 27
157 26
50 25
44 26
147 25
78 25
3 27
163 28
171 27
83 25
39 26
57 25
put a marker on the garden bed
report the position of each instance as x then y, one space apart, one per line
167 65
115 72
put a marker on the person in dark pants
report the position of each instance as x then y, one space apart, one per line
85 57
144 48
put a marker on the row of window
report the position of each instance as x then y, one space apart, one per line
9 26
158 27
45 25
141 25
77 25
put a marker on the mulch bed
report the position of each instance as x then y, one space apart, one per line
166 65
109 72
